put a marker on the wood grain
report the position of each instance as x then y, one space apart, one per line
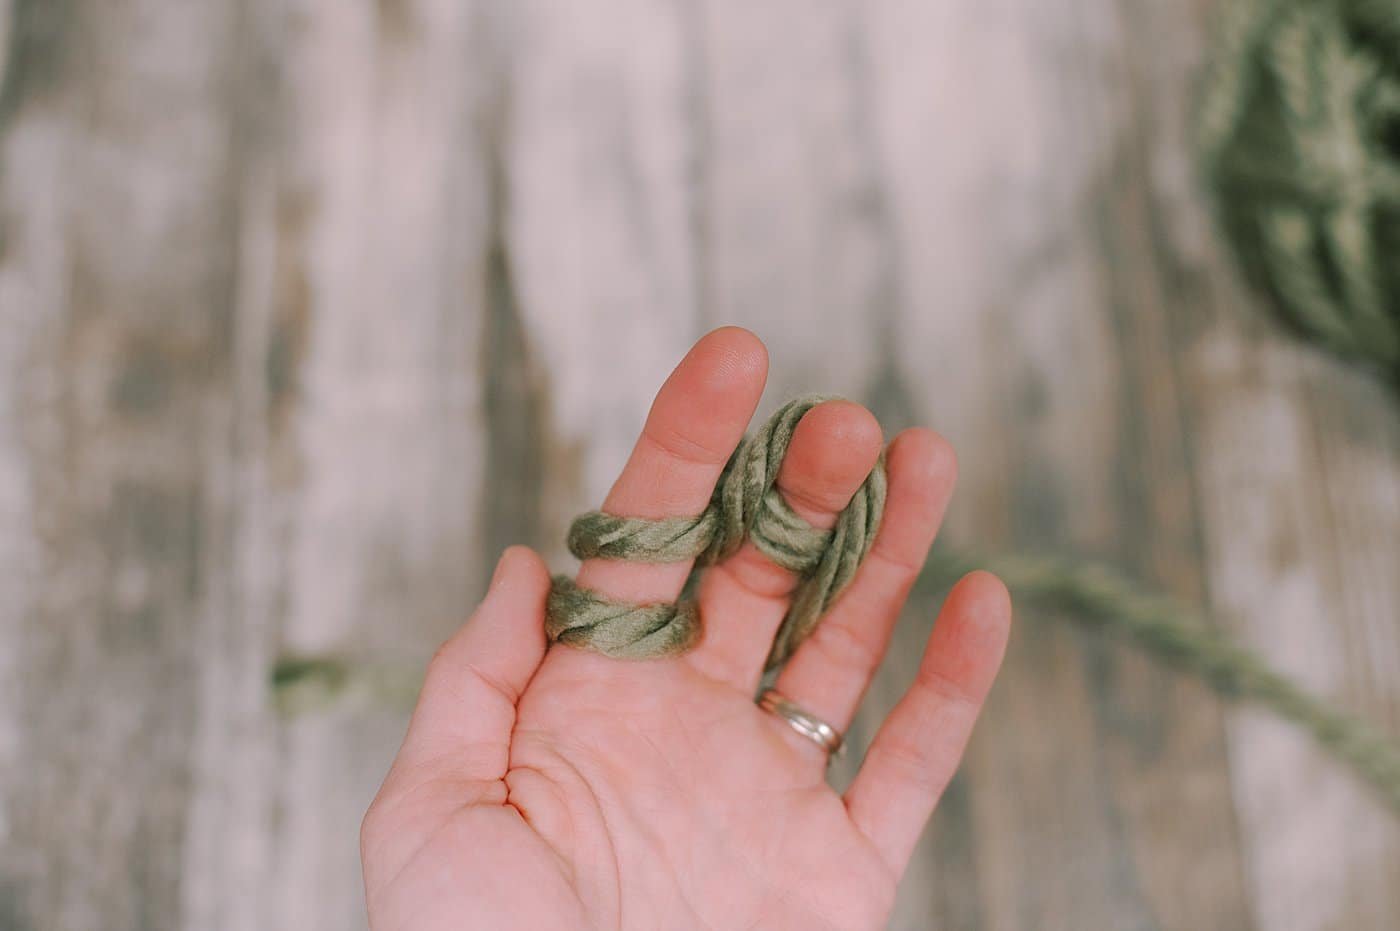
597 227
310 308
1298 482
1045 307
115 276
379 249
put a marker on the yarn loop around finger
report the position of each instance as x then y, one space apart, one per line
745 505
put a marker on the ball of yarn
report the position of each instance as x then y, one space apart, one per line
1299 129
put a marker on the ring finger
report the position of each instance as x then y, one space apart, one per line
831 669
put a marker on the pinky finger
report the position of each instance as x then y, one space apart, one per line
918 748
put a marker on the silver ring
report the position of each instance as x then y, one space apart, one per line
805 723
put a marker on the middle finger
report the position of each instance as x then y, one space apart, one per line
743 599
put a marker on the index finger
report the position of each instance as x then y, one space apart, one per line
697 419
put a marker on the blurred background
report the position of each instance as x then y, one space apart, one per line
309 307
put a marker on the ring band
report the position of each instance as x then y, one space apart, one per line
805 723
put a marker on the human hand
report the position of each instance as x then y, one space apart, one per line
558 788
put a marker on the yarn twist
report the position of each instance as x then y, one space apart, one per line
1298 128
746 505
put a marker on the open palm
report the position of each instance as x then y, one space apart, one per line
562 789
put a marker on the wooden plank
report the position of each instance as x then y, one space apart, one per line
361 370
1022 143
643 204
250 407
310 309
599 233
114 283
7 17
791 234
1300 479
1297 480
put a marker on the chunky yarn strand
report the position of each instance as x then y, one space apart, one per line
746 505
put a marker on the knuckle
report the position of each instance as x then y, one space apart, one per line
817 499
371 826
757 574
672 444
945 688
844 648
902 569
912 764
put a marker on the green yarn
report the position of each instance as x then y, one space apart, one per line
745 505
1299 136
1101 600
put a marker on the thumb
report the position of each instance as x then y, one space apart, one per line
466 708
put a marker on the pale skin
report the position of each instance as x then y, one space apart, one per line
549 787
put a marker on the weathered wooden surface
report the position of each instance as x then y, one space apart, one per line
286 286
